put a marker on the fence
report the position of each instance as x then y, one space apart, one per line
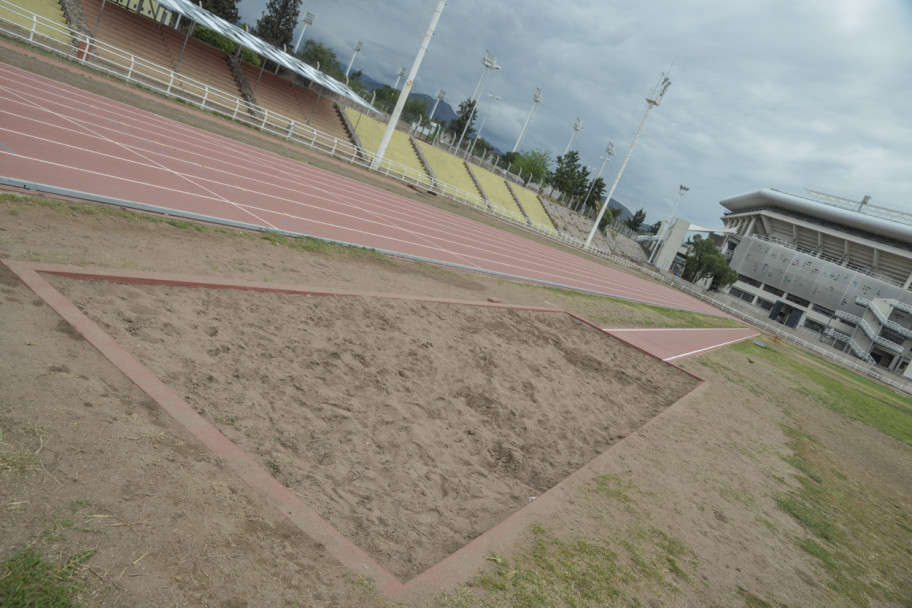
137 70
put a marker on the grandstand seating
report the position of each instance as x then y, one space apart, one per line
497 193
536 213
130 32
297 102
400 151
448 169
49 13
202 62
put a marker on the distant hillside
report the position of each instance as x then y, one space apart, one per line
625 212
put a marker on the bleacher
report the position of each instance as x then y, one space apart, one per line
305 107
533 208
448 169
50 20
497 193
130 32
399 151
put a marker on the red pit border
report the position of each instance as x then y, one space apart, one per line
455 568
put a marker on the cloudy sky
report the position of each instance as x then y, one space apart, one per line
787 94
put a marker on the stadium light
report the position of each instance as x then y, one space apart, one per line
308 20
357 48
609 152
577 127
399 76
440 95
403 96
477 135
653 101
536 99
490 63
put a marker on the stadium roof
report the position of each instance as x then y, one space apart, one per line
875 219
262 48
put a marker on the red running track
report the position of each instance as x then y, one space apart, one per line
57 135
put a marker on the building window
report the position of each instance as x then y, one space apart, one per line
749 281
824 311
799 301
741 295
814 325
773 290
764 304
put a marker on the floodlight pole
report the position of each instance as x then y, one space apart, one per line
407 87
357 48
651 103
483 120
577 127
609 152
536 99
490 63
399 76
308 20
440 95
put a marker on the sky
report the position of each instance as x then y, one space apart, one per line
784 94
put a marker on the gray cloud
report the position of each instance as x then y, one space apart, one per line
766 93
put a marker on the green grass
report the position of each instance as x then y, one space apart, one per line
845 392
858 535
28 581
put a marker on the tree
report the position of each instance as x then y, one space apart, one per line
464 115
321 57
534 164
415 108
277 24
595 193
569 176
636 221
704 260
226 9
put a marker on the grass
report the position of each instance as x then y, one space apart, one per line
648 315
857 533
13 201
18 460
584 571
29 581
845 392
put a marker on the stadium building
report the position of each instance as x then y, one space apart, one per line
834 266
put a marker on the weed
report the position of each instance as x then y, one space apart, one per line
28 580
273 467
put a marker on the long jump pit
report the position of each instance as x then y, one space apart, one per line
409 436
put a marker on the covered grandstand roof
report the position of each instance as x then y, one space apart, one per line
262 48
877 220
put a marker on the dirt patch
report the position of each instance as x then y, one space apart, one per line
412 427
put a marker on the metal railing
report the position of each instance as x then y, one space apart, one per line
139 71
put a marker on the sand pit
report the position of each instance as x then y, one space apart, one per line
412 427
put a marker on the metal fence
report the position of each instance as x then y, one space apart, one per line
136 70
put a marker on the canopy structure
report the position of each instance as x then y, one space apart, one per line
260 47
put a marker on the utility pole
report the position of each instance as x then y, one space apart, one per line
653 101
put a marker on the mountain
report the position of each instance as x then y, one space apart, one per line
625 212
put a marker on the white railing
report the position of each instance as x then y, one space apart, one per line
139 71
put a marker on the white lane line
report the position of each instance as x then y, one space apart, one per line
694 352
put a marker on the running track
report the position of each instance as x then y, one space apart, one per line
57 135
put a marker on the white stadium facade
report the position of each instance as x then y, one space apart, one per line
837 267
